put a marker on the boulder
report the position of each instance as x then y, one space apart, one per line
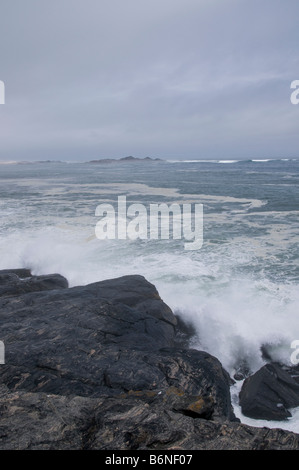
269 393
20 281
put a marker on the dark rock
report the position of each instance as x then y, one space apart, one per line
102 338
143 420
129 159
196 406
106 366
269 393
21 273
293 371
20 281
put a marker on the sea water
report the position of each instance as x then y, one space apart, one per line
239 291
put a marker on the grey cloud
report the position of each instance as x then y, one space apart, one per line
181 78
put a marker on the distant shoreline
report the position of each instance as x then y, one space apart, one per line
100 161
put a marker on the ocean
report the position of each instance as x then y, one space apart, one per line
239 290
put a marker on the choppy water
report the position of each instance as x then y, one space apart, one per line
240 290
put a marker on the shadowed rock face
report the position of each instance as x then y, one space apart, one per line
106 366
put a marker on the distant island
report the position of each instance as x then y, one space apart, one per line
37 161
126 159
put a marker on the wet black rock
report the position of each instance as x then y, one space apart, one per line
107 366
107 337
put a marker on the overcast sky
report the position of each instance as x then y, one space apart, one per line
178 79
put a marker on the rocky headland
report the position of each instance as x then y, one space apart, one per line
108 366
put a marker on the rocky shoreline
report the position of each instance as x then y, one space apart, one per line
108 366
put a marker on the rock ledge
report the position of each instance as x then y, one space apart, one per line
107 366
